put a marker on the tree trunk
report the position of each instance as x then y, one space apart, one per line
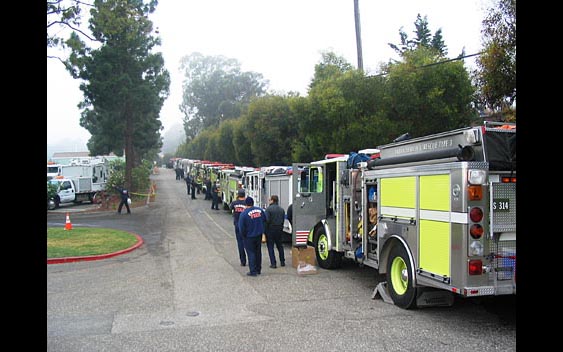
129 152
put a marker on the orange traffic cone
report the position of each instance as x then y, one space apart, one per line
68 225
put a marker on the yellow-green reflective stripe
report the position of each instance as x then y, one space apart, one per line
398 192
435 192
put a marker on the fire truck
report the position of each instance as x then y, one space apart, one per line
434 215
267 181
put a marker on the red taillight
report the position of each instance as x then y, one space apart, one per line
475 192
476 231
475 267
476 214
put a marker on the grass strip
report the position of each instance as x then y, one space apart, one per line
80 242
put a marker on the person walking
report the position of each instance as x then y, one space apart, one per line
124 199
251 226
275 216
215 189
237 206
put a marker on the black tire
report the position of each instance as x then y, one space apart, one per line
51 204
327 259
399 278
97 198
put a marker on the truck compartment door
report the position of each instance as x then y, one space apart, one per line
309 200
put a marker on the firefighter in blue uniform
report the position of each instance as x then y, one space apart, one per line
251 226
237 206
124 199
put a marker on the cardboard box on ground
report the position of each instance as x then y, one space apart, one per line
304 259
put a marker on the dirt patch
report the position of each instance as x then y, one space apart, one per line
113 203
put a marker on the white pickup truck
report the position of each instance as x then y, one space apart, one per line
79 182
76 190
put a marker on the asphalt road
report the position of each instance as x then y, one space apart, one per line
184 290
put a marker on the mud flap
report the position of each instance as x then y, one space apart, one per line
428 297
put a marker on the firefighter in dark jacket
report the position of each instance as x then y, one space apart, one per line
188 180
208 186
192 179
274 230
251 226
215 189
237 206
124 199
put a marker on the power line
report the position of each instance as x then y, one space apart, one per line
450 60
438 63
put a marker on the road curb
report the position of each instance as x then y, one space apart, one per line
99 256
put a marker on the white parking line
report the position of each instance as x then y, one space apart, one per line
216 224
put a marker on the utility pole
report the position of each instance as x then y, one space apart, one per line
358 35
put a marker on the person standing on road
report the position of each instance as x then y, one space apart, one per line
237 206
124 199
275 216
188 183
215 189
251 226
199 183
208 186
192 179
290 214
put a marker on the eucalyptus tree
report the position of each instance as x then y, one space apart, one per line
124 82
215 89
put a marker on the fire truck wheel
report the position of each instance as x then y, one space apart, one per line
327 259
399 278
